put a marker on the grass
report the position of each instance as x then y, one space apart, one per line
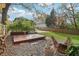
62 37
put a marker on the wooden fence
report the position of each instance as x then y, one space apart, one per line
67 31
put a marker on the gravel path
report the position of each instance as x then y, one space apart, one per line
26 49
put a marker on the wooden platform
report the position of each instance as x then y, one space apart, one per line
28 37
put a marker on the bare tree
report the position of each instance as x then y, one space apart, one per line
70 11
27 6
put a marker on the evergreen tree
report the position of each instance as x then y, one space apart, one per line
51 19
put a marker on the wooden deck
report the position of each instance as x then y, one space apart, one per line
28 37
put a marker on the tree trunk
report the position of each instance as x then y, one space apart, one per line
74 19
75 22
4 13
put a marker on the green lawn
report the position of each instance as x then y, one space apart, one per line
62 37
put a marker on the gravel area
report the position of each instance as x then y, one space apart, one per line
35 48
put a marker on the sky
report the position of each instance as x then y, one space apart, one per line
19 11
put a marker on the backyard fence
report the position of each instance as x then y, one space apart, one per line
67 31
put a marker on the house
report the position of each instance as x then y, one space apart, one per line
40 24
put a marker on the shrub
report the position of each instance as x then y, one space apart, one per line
21 25
73 51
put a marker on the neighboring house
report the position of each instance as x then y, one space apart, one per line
40 23
59 20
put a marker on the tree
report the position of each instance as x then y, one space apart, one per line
22 24
70 11
4 12
48 21
77 18
73 14
20 19
27 6
51 20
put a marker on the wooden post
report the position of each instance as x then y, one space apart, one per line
2 5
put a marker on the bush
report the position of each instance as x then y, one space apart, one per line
73 51
21 25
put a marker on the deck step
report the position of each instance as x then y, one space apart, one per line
28 38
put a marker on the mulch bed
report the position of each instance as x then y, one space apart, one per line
26 48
